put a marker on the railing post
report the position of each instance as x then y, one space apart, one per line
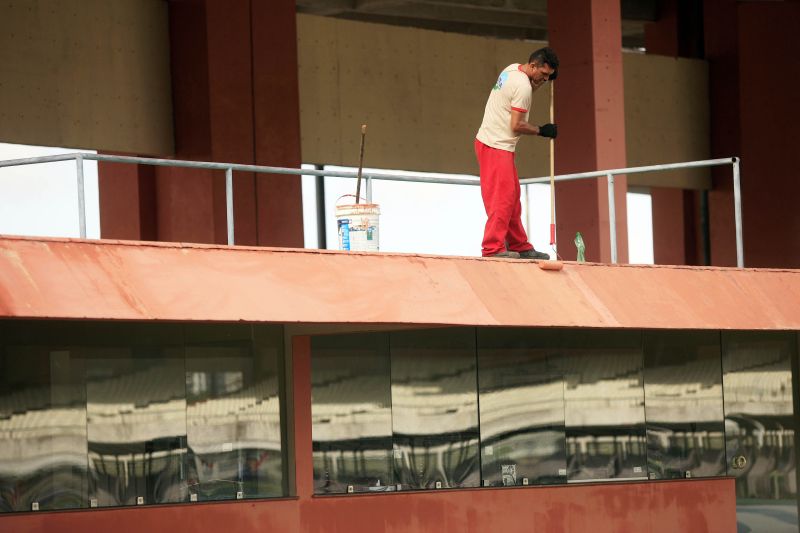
368 183
737 208
81 197
229 203
612 218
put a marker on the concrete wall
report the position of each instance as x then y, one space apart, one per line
96 74
86 74
422 95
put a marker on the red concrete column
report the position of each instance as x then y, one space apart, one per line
586 35
277 123
768 131
127 197
235 99
301 417
676 231
722 53
755 116
212 88
675 214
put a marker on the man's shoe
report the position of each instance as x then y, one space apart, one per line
505 254
533 254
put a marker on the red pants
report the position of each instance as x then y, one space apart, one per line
500 191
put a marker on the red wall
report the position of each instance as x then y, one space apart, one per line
754 64
769 74
663 507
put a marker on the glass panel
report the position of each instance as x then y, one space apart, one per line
435 408
232 412
521 408
351 413
604 404
760 428
136 408
683 404
263 414
42 424
94 413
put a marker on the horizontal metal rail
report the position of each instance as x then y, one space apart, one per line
229 168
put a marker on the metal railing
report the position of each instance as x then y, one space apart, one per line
229 169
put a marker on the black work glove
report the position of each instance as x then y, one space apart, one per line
548 130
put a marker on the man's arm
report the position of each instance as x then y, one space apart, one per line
522 127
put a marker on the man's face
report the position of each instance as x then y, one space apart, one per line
540 74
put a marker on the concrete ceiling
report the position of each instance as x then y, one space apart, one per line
510 19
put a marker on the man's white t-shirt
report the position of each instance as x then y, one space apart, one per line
512 91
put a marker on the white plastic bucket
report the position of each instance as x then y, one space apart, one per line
358 226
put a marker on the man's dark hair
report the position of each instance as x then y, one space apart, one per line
546 56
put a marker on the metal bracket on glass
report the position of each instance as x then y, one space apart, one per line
93 502
687 474
193 497
637 469
350 489
140 500
399 486
239 495
485 482
35 506
739 462
525 481
438 484
652 475
562 471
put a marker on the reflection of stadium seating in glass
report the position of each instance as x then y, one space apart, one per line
350 413
355 463
108 422
537 453
601 435
421 461
684 404
521 408
769 446
233 424
673 452
434 408
42 429
604 404
153 470
760 423
136 426
606 453
759 418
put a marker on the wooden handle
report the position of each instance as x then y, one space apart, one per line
360 162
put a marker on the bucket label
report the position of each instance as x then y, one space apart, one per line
344 234
358 227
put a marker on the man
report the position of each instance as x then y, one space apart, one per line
505 120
